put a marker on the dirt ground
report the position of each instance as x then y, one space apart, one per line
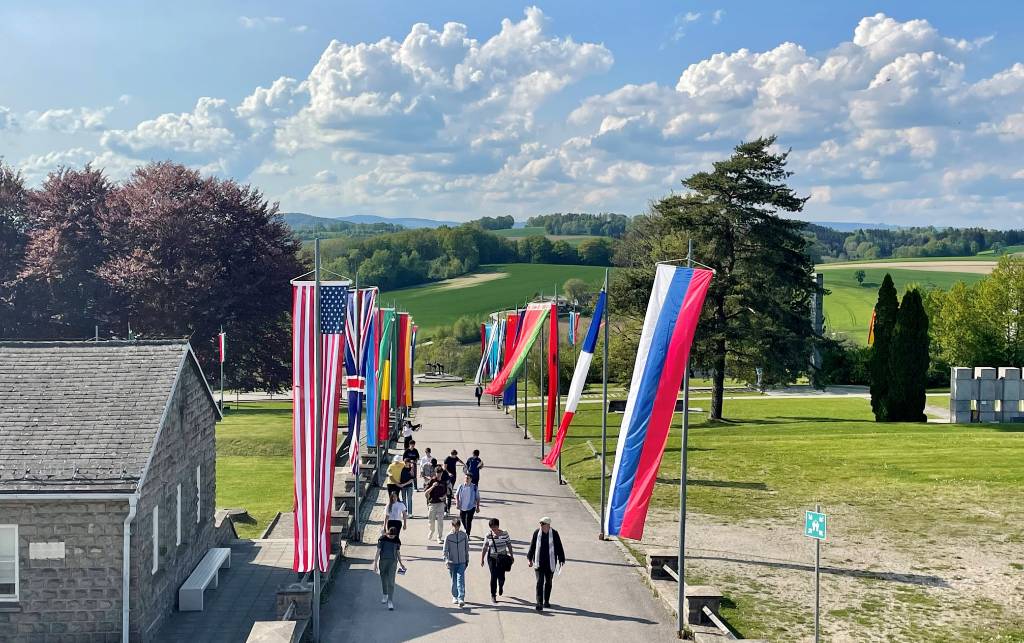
975 267
873 588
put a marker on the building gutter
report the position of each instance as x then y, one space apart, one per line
126 573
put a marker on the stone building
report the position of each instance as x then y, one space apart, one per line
107 486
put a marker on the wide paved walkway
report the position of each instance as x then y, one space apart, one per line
597 597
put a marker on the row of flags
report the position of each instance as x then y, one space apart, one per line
673 310
365 349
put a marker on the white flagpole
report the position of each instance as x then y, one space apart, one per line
604 402
356 354
681 561
318 424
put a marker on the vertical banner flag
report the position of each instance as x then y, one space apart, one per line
407 388
312 538
481 370
220 345
360 304
579 379
387 333
871 329
533 320
403 358
661 358
483 338
372 394
511 335
572 327
412 364
549 419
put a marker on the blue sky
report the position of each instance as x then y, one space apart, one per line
896 112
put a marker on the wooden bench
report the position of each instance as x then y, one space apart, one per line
206 574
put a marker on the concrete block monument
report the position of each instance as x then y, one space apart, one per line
986 394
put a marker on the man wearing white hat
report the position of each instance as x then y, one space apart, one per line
545 556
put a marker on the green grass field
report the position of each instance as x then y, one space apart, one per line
477 295
254 462
848 305
537 231
1010 250
902 488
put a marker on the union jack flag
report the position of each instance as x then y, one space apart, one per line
361 304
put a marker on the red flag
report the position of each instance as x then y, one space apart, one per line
220 345
549 420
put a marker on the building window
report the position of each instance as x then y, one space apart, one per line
199 493
177 540
156 538
8 562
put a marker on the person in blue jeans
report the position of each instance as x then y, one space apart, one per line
456 557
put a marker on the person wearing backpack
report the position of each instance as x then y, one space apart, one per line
437 494
498 555
388 560
473 466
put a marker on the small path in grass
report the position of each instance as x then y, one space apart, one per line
877 585
469 280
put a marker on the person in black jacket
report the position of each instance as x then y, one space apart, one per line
545 556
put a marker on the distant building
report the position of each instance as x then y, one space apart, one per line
106 450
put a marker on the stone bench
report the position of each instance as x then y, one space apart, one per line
206 574
697 596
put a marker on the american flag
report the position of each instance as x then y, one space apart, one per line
312 530
361 304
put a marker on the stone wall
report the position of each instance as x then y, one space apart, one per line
69 571
185 441
985 394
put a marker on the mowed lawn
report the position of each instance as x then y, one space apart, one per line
441 303
777 457
254 462
848 305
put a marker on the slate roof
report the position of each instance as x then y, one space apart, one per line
82 416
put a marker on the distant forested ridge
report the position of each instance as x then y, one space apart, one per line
827 244
495 223
606 224
412 257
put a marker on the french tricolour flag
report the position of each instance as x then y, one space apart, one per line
661 358
579 379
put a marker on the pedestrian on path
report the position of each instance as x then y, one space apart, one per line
473 466
397 515
407 434
467 499
449 484
479 393
412 453
395 475
449 464
545 556
497 553
389 556
456 557
407 479
428 458
437 494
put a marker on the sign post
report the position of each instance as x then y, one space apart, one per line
815 526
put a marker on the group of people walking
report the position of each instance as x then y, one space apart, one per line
497 553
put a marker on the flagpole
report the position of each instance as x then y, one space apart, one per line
681 561
543 417
355 423
222 369
513 344
604 402
318 429
526 390
558 386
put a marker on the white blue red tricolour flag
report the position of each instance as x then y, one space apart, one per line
661 359
579 378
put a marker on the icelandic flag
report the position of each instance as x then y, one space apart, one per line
579 379
661 359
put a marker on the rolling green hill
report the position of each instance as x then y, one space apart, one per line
494 287
848 305
515 234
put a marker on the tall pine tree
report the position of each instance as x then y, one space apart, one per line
908 361
886 310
